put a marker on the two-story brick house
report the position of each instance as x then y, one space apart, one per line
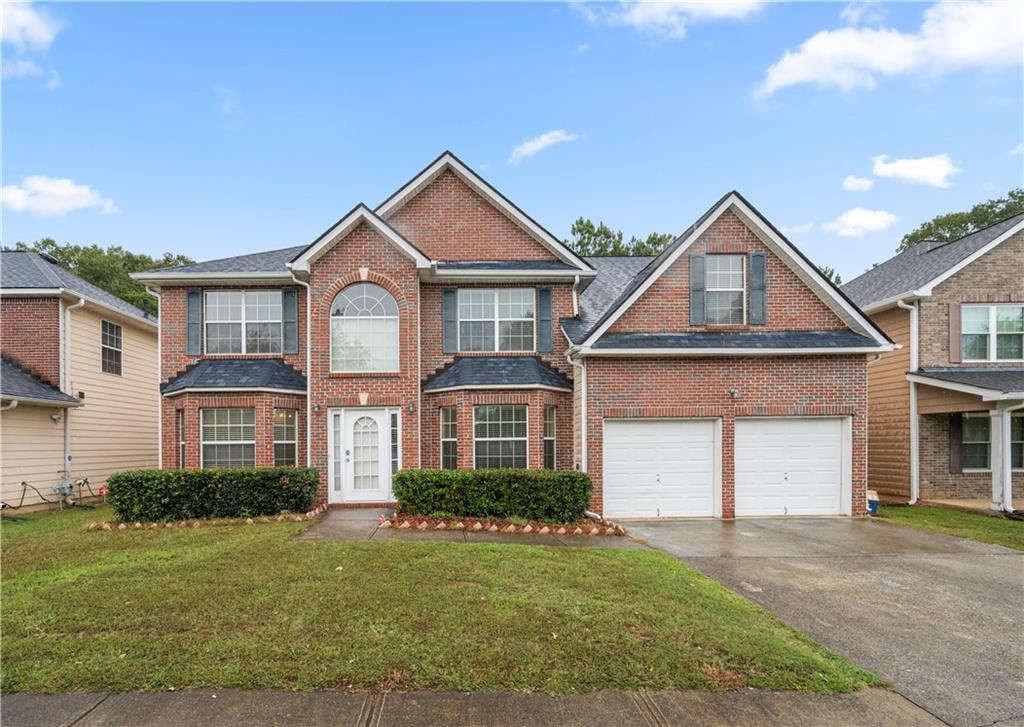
447 328
947 409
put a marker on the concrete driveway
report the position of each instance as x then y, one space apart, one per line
941 618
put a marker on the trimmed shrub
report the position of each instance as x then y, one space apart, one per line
189 494
548 495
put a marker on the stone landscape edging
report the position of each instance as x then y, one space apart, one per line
284 517
498 525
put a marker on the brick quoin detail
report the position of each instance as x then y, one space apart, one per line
789 304
447 220
784 386
30 335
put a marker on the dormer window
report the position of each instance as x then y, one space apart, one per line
724 289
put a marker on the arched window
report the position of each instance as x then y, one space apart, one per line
364 329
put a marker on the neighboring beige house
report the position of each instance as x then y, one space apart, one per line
946 411
78 383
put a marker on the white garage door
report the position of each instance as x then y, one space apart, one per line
789 466
659 467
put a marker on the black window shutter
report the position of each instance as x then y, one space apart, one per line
194 325
755 316
697 317
956 465
544 320
290 320
450 343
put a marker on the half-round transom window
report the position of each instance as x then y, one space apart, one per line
364 329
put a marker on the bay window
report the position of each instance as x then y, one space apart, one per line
285 438
228 437
549 437
499 436
496 320
449 439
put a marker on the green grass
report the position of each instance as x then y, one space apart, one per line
971 525
248 607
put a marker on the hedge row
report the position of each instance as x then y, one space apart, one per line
547 495
187 494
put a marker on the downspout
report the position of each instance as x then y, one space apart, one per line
1005 461
66 381
582 379
915 455
159 378
309 369
9 406
576 297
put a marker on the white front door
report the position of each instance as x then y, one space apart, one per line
660 467
361 448
790 466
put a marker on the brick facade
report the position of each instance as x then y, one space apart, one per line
782 386
789 304
30 335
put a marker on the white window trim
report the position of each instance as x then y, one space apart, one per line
394 429
992 334
987 417
181 438
496 320
202 442
120 350
742 290
455 414
526 437
553 438
293 442
243 321
398 337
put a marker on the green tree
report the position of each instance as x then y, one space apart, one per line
599 240
108 268
831 273
954 225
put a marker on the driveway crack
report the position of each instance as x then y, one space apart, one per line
89 711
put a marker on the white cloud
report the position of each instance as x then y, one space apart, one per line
801 229
857 184
858 221
583 48
25 27
49 196
21 68
934 171
538 143
1019 149
953 35
862 11
667 19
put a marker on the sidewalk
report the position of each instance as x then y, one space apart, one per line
229 707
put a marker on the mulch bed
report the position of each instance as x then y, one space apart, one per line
284 517
489 525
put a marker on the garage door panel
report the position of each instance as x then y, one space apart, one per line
789 466
659 467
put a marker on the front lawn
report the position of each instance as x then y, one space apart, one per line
972 525
247 607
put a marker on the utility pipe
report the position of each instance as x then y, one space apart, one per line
915 454
66 381
159 377
309 369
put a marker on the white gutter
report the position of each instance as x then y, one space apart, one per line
66 381
13 404
207 278
985 394
915 445
897 300
1004 486
575 297
309 370
159 378
663 352
32 401
497 387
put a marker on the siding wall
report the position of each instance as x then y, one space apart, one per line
889 411
116 429
32 449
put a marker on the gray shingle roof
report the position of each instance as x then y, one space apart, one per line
1004 380
24 269
271 261
614 274
17 383
496 370
237 374
738 339
921 264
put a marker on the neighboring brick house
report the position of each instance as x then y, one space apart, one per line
446 328
947 409
76 384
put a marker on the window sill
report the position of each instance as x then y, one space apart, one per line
364 375
245 355
976 472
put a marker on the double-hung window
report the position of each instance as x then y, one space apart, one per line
285 438
549 437
449 439
724 294
228 437
243 321
992 332
499 436
110 348
497 320
975 440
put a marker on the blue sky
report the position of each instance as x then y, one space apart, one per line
220 129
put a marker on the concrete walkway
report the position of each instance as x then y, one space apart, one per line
941 618
362 524
412 709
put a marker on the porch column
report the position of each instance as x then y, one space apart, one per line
1000 451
